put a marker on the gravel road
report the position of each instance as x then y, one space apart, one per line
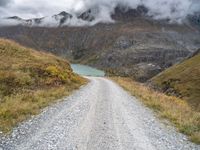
100 116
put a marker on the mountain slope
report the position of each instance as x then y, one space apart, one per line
135 45
93 16
29 81
182 80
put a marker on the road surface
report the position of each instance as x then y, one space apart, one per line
100 116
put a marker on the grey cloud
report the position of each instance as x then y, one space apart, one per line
175 10
4 2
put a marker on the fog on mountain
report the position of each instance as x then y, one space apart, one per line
100 10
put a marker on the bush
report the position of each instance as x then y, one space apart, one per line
52 71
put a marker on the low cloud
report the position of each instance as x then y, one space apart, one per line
4 2
175 10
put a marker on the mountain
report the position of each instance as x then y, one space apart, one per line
29 81
62 17
89 15
59 19
26 22
15 18
135 45
92 15
182 80
121 13
195 19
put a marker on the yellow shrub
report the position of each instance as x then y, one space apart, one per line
53 70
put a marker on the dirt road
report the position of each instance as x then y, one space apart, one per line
100 116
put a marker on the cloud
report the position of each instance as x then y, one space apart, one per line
175 10
4 2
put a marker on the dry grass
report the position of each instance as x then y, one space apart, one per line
29 81
19 107
182 80
174 109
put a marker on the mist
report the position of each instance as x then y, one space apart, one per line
174 10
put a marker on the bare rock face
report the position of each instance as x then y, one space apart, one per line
15 18
62 17
123 43
38 20
141 64
122 13
89 15
195 18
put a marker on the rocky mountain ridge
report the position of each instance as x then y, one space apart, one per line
60 19
90 17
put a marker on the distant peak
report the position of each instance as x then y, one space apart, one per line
14 17
64 13
90 14
121 12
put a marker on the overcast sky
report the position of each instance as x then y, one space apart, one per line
34 8
40 8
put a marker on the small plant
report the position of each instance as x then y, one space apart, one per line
52 71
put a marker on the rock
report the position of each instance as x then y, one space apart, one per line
123 13
123 43
89 15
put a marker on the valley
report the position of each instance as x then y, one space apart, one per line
134 45
101 79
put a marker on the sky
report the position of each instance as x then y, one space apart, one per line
159 9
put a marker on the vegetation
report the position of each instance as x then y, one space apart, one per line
29 81
182 80
186 119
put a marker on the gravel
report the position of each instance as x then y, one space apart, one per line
100 116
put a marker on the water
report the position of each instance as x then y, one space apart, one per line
87 71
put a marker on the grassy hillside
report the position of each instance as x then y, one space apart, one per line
182 80
176 110
29 81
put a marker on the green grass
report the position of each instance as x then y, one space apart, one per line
176 110
182 80
29 81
